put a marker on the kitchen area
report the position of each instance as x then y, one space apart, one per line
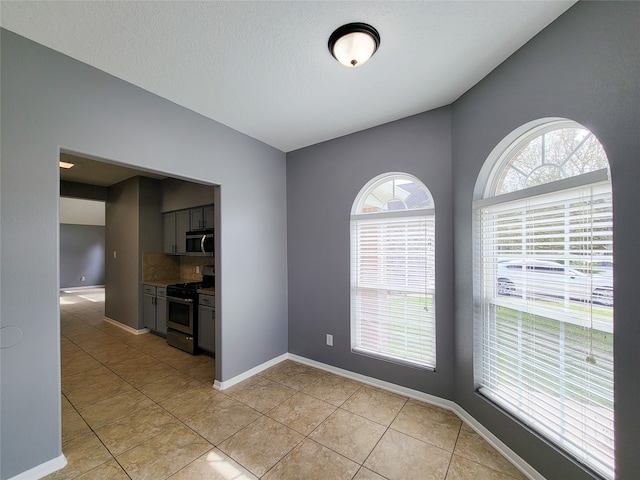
160 248
179 294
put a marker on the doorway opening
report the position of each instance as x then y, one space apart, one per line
131 248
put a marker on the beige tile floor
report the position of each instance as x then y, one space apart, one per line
135 408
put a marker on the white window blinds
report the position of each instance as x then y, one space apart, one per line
392 281
545 273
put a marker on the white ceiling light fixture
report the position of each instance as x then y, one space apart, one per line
66 164
353 44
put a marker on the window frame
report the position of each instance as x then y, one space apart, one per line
390 220
486 186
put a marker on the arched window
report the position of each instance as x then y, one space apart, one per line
544 289
393 271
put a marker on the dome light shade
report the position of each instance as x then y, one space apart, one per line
353 44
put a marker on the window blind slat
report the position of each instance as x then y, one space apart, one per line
546 282
393 304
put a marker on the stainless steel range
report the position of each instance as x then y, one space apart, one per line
182 311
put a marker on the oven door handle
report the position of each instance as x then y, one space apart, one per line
204 237
184 301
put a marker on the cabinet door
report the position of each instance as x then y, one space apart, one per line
197 218
183 220
161 315
206 329
169 241
149 311
208 216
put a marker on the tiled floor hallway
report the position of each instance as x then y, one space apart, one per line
135 408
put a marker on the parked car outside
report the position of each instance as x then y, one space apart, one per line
542 278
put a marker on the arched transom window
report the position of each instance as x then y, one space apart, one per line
393 271
544 289
545 155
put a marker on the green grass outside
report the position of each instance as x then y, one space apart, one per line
391 338
396 306
530 349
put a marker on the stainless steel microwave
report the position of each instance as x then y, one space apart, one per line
200 242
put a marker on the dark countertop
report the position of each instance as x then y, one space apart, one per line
171 281
165 282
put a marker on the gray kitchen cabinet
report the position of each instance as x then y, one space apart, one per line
161 310
182 227
149 307
197 218
169 233
206 323
201 217
208 216
154 309
176 226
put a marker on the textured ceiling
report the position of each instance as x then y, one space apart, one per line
263 68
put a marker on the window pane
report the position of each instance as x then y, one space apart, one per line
551 156
393 262
545 278
395 193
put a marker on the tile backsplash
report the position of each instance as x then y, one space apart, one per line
157 266
188 267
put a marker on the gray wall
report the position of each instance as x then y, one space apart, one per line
178 194
82 190
81 254
322 183
50 101
586 67
133 226
122 300
150 228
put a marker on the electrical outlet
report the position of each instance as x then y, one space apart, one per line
114 254
197 269
329 339
82 278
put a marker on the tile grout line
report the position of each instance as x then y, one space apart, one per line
137 389
113 457
387 428
153 352
453 451
308 436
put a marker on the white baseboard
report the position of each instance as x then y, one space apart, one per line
374 382
126 327
249 373
526 469
84 287
43 469
481 430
